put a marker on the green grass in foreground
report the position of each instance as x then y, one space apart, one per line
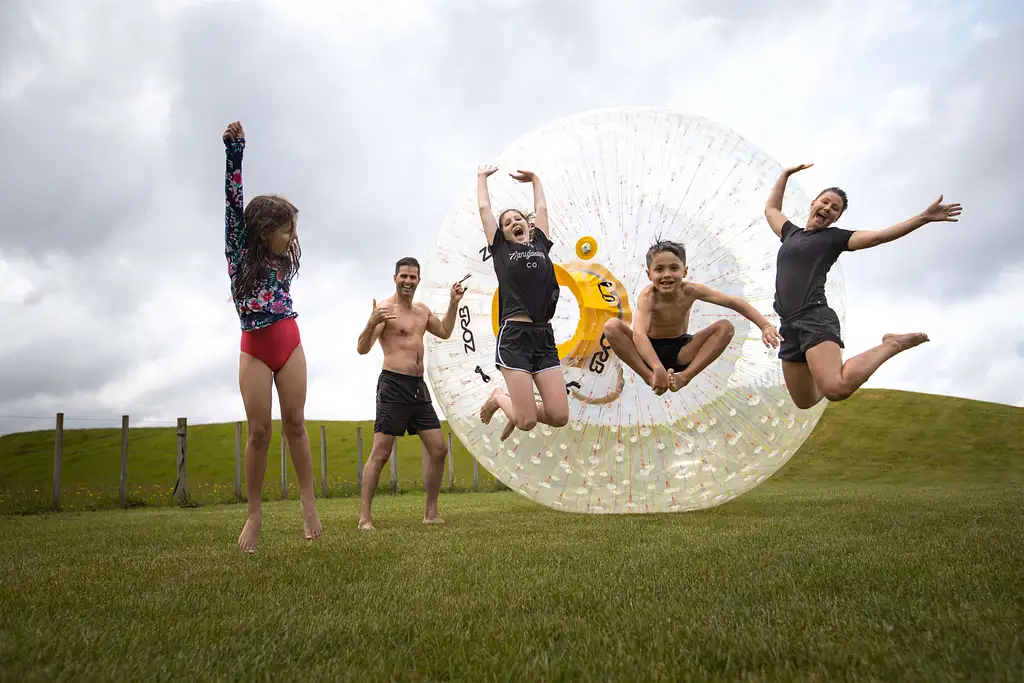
878 435
853 581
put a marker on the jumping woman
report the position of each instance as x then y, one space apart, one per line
262 251
525 351
811 349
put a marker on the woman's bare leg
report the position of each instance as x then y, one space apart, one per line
255 381
837 380
801 385
291 389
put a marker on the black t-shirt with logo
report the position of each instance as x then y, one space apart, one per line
526 277
802 265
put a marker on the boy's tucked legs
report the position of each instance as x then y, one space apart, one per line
688 354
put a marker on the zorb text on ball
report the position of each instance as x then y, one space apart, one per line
615 182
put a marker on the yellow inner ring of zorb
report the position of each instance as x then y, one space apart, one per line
600 297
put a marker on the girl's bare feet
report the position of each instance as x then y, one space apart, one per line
250 534
311 521
490 406
366 525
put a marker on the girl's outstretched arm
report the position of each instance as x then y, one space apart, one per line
234 204
937 212
540 202
484 202
773 207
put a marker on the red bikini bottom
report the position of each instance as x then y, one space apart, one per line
273 344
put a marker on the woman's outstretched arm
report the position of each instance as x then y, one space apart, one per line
935 213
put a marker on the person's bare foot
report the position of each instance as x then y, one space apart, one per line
490 406
905 341
510 427
677 381
432 519
311 525
366 525
250 534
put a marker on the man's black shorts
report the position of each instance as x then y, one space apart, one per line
526 346
667 350
806 330
403 405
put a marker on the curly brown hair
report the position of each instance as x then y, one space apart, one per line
263 216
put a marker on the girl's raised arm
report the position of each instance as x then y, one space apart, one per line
540 203
234 204
484 202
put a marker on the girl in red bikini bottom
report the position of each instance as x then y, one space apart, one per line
263 253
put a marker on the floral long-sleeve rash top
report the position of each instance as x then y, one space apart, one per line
271 301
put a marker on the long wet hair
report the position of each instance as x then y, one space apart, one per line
264 215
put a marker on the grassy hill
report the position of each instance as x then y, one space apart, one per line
877 435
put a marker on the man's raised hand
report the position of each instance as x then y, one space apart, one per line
457 292
381 313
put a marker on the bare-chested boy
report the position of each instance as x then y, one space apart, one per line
403 402
658 347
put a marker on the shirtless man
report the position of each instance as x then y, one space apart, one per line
659 343
403 403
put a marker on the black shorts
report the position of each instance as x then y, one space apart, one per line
807 329
403 405
529 347
668 349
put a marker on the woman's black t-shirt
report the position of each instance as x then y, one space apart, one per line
526 277
802 266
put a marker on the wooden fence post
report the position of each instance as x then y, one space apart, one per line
323 461
284 464
58 456
181 488
394 466
359 457
451 463
124 461
238 461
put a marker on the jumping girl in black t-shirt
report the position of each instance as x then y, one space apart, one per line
525 351
811 354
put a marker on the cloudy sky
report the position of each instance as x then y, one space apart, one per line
372 118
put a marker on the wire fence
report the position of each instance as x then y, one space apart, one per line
88 463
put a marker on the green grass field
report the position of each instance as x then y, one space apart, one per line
91 465
888 548
877 435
